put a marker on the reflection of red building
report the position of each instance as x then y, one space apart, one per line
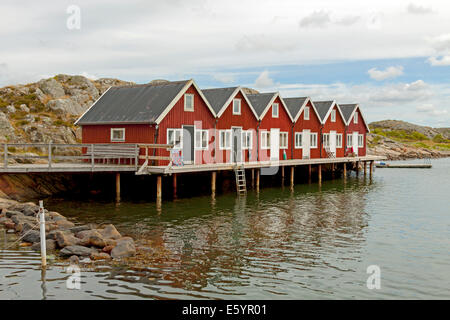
356 128
333 129
275 126
236 125
305 135
169 113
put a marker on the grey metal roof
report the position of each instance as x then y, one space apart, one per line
294 104
347 110
260 101
322 108
133 104
218 96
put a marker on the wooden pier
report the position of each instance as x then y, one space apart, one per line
136 158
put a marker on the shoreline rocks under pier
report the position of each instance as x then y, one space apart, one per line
63 236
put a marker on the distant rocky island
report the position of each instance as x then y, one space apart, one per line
45 111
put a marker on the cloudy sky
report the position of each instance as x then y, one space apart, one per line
392 57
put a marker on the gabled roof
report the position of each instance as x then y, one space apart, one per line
296 106
137 104
324 109
348 111
220 98
263 101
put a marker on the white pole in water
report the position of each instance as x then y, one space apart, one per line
42 226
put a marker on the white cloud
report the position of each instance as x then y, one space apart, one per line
439 61
431 110
318 19
226 78
89 76
388 73
417 9
264 80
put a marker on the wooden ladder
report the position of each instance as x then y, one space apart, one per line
241 184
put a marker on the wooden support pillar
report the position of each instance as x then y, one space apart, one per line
319 172
345 170
332 169
292 177
213 182
258 173
253 178
158 189
371 169
117 187
357 168
282 175
309 173
174 177
364 168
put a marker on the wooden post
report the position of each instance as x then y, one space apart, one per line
309 173
253 178
332 170
158 188
282 175
371 169
292 177
117 187
319 172
357 168
42 235
174 177
257 179
364 168
213 182
345 170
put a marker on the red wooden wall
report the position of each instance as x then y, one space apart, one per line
361 128
312 124
339 127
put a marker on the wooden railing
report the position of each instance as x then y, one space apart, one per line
95 154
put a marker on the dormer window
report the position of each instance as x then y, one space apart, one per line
275 110
188 102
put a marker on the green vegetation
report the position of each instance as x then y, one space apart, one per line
444 146
440 139
421 145
31 100
400 135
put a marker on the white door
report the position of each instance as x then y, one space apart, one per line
236 150
274 144
306 144
333 142
355 142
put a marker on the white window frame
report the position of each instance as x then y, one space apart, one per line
313 145
333 115
122 130
273 109
298 146
349 140
306 113
265 146
284 133
360 139
355 118
239 104
228 134
339 140
326 139
199 143
175 130
186 108
245 135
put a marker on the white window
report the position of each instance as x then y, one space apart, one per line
188 102
298 140
265 139
118 134
283 140
275 110
360 140
333 115
306 113
225 139
326 139
349 140
201 139
247 139
174 138
313 138
339 140
355 118
237 106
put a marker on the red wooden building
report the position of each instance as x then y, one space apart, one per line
170 113
274 128
306 128
333 129
356 129
236 125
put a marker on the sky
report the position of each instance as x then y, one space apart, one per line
391 57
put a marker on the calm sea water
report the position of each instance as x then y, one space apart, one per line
312 243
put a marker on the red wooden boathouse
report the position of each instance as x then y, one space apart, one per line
356 129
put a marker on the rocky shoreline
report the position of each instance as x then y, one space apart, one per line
63 237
